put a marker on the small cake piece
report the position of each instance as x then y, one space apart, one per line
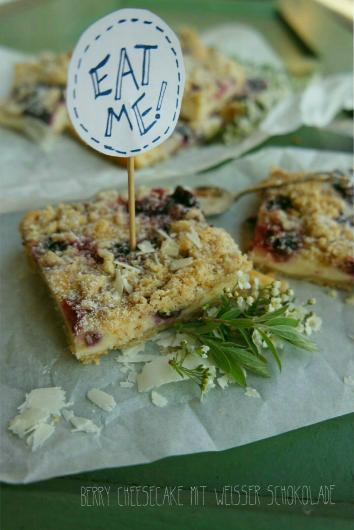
305 230
36 103
111 297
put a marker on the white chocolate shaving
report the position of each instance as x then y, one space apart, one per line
158 400
51 399
103 400
40 434
84 425
194 237
177 264
146 247
252 392
170 248
27 421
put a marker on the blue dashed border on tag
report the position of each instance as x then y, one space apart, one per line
110 148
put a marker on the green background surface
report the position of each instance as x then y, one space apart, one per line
314 456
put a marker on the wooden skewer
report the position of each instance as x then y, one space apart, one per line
131 198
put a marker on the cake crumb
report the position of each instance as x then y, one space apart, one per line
349 380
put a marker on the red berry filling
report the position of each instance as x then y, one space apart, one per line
276 240
87 247
348 266
92 338
73 315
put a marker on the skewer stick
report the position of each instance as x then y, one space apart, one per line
131 197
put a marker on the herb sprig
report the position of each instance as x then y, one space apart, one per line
239 331
200 374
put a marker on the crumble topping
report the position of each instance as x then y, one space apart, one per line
103 288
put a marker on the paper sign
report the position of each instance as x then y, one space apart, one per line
125 84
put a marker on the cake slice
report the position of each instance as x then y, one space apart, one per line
305 229
36 103
111 297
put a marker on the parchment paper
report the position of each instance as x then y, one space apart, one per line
309 389
30 176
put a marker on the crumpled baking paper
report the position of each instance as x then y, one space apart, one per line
309 389
32 177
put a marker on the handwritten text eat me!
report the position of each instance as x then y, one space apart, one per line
125 70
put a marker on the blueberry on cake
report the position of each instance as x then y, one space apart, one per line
305 229
36 103
112 297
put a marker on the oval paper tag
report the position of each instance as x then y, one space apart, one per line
125 84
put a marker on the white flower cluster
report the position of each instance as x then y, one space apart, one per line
243 280
204 351
278 296
247 291
312 323
309 322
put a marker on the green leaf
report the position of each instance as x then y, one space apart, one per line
226 363
248 340
271 346
283 321
245 358
229 335
294 337
229 314
239 323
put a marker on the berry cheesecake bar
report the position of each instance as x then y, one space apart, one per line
305 229
36 103
111 297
